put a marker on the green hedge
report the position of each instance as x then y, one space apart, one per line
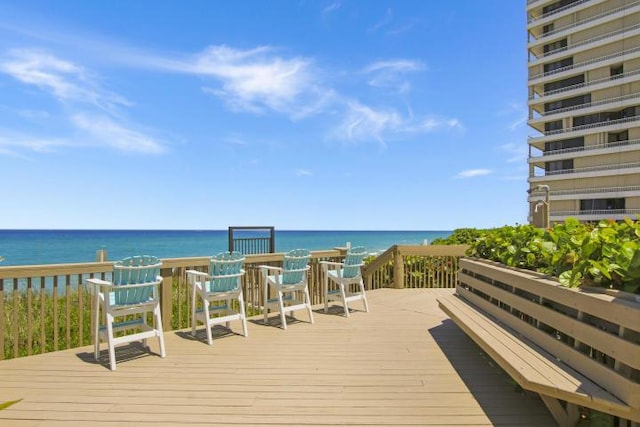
606 254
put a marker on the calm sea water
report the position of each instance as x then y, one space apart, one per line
26 247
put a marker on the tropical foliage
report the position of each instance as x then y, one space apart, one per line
606 254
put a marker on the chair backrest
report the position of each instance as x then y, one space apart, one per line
225 271
353 261
133 271
295 266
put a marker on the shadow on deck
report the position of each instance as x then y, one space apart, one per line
404 363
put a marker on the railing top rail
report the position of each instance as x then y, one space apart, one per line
588 148
588 84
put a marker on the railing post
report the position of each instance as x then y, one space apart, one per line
398 270
166 297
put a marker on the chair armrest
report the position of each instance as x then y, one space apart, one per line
327 264
197 273
269 267
95 282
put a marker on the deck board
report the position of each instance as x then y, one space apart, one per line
404 363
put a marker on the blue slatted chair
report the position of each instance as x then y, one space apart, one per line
347 278
289 282
223 284
125 301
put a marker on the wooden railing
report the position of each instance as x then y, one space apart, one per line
46 308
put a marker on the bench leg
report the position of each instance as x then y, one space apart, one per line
565 417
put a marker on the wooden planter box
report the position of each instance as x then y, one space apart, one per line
595 332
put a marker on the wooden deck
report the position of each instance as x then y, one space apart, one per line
404 363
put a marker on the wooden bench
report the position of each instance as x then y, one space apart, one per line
478 308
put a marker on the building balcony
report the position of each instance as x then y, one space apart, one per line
591 150
557 13
587 172
594 215
603 39
560 32
586 108
586 87
605 126
584 193
612 58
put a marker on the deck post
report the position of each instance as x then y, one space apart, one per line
398 269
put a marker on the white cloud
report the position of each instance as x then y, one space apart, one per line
113 134
256 80
518 152
331 8
64 80
472 173
89 108
303 172
390 74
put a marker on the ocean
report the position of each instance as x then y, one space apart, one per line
32 247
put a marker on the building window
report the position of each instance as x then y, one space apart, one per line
556 65
564 144
569 102
547 29
561 84
602 204
557 5
616 71
560 44
554 125
618 136
559 166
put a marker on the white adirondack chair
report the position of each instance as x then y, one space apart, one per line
125 301
290 285
223 283
346 278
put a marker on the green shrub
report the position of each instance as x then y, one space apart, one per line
606 254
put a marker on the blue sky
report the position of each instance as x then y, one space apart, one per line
336 114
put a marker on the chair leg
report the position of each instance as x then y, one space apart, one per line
228 324
283 319
110 343
206 321
364 296
243 314
96 332
326 288
344 299
265 297
193 310
308 298
158 327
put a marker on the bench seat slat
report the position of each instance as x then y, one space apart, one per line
531 366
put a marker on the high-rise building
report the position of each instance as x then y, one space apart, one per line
584 103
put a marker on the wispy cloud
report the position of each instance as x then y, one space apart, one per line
383 22
363 123
113 134
518 153
390 74
303 172
332 7
64 80
473 173
90 109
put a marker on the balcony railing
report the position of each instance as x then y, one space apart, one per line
576 191
589 41
585 63
46 308
588 148
605 213
589 83
585 127
556 11
634 96
590 19
598 168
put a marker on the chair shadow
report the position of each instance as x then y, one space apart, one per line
335 310
274 320
217 331
489 384
124 353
